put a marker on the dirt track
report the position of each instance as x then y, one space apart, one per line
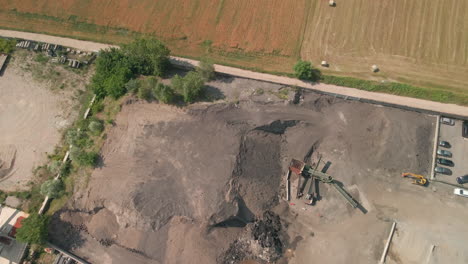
379 97
181 186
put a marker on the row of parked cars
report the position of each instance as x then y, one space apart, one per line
446 162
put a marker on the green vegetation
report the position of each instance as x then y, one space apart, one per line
41 58
33 229
96 127
83 158
52 188
305 71
206 69
116 67
190 86
164 93
7 45
437 95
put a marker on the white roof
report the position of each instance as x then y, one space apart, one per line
10 254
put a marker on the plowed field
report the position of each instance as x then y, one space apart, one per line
419 42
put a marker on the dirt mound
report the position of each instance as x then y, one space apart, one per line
192 186
7 160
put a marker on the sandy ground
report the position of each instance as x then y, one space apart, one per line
184 185
31 118
378 97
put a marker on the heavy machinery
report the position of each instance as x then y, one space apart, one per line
417 179
307 172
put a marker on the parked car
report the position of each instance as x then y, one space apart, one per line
444 144
443 170
445 153
462 179
447 121
445 162
465 129
460 192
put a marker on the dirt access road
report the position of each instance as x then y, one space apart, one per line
450 109
184 185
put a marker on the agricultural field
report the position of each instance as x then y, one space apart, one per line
424 43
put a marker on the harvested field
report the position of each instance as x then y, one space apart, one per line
418 42
196 185
32 115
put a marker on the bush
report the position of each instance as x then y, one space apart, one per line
7 46
96 127
164 93
55 166
190 86
52 188
97 107
113 71
146 88
34 229
206 69
304 71
78 138
83 158
147 56
133 85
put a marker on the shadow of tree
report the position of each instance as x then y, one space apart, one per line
64 234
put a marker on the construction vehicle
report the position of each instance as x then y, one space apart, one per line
417 179
307 172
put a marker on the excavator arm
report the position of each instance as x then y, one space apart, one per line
417 179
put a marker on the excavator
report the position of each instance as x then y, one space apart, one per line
417 179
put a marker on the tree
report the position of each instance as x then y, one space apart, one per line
96 127
147 56
133 85
52 188
164 93
34 229
305 71
113 71
190 86
206 69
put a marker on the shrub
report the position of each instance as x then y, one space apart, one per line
190 86
206 69
147 56
55 166
96 127
164 93
97 107
133 85
34 229
146 88
83 158
304 71
52 188
7 46
78 138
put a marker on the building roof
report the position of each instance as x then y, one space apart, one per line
11 251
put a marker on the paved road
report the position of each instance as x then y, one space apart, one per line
398 101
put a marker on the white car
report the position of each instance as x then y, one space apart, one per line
447 121
460 192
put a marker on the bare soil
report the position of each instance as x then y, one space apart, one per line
193 185
33 112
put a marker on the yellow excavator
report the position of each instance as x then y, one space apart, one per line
417 179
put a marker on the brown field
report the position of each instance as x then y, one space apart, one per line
418 42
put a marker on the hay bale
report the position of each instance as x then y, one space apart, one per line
332 3
375 68
324 64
